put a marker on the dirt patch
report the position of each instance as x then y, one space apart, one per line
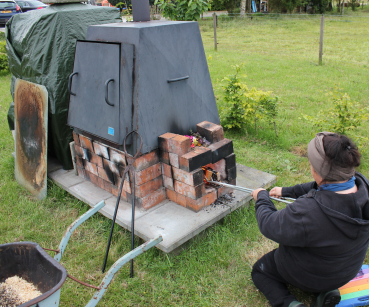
257 249
300 150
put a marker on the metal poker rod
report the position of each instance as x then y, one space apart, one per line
286 200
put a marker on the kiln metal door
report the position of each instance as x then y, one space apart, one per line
94 89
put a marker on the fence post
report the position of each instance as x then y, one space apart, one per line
215 31
343 5
321 40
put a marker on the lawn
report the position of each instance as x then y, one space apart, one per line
280 54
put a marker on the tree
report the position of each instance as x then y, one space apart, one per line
182 9
243 7
284 5
225 5
320 6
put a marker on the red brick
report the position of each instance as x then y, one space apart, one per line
181 200
171 195
118 157
81 172
148 187
173 159
163 140
93 158
220 167
124 196
79 151
96 180
126 184
79 161
179 144
168 182
221 149
194 178
101 150
198 204
164 157
166 170
76 139
106 174
152 199
112 166
189 191
86 143
196 158
177 198
212 132
107 186
90 167
148 174
146 160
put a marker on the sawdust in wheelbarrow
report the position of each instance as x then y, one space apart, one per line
15 291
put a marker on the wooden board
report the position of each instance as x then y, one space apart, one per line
31 118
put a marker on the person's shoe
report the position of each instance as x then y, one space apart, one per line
296 304
327 299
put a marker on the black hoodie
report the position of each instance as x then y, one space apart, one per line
323 236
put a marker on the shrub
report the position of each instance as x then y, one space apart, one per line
3 57
344 116
244 106
3 62
182 9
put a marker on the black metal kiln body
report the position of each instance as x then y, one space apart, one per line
146 76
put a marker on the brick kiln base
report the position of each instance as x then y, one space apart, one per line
175 223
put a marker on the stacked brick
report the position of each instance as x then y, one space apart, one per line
183 177
173 171
104 167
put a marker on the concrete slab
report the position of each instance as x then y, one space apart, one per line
124 214
65 179
175 223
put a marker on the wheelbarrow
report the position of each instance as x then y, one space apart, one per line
30 261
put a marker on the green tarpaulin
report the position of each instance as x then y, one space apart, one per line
40 47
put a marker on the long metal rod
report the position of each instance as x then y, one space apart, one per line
112 225
247 190
133 221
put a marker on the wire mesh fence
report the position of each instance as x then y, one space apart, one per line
345 38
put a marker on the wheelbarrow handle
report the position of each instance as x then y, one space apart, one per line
117 265
73 226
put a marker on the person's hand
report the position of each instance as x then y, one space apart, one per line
276 192
256 192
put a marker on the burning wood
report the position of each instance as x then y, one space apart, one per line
210 174
16 291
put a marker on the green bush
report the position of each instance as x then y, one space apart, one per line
245 106
343 117
3 56
182 9
2 36
3 62
2 47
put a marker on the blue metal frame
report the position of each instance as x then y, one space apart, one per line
117 265
73 226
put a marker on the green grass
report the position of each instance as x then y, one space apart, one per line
280 55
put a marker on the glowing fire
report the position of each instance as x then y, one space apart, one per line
210 174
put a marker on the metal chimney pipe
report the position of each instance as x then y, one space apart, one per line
141 10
